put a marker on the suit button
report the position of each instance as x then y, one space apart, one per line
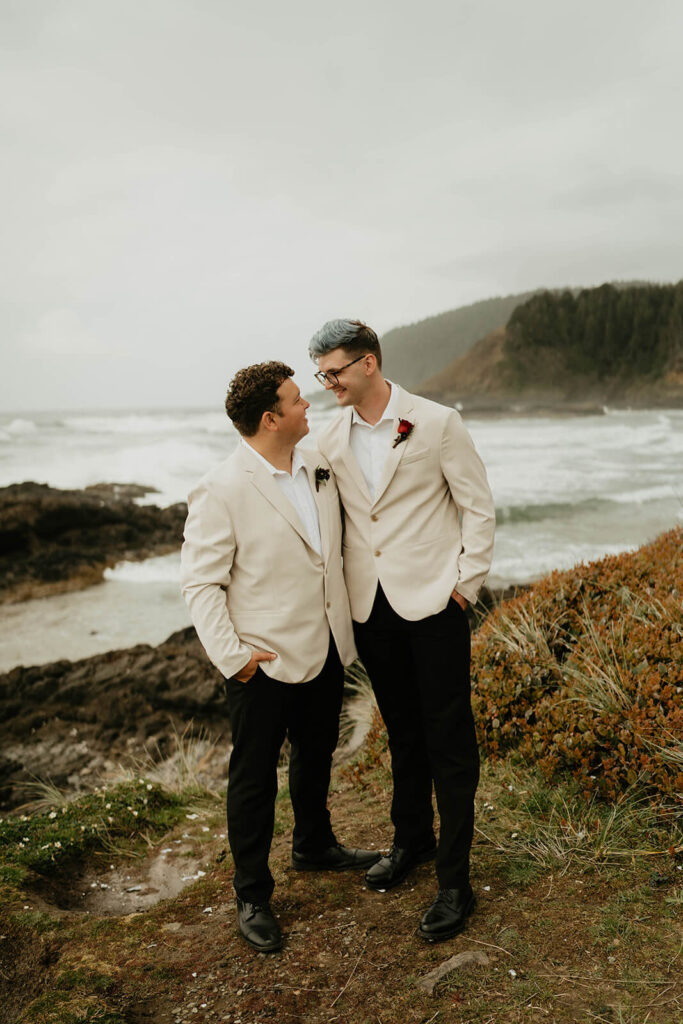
329 604
374 517
377 554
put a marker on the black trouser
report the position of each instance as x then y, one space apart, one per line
262 712
420 673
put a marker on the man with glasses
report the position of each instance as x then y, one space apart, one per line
418 539
262 575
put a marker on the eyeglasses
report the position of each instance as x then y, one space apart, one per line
333 375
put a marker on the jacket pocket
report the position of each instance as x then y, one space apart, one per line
415 456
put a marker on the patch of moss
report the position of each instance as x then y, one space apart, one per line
82 979
11 875
62 1008
47 840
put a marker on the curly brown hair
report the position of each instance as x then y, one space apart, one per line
253 391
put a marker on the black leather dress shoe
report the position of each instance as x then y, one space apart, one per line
334 858
258 926
447 915
392 869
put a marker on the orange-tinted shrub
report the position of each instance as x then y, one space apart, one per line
584 672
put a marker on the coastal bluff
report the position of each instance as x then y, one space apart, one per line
53 541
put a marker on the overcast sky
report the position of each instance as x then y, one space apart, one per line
193 185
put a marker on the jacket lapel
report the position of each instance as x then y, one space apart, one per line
265 484
320 498
404 408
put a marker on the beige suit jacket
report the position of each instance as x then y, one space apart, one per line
251 578
429 529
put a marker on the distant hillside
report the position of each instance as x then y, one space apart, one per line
599 344
419 350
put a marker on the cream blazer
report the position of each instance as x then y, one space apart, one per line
429 530
251 578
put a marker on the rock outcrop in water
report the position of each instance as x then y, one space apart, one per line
55 540
71 722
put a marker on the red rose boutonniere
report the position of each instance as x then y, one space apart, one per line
405 429
321 476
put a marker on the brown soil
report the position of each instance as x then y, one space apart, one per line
558 947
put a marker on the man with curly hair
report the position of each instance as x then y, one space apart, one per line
262 576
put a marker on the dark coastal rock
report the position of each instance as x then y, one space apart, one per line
53 540
68 721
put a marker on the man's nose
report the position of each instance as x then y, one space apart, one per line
329 383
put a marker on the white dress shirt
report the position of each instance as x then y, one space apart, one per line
371 444
297 489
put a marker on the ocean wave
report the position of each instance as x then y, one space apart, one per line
149 423
170 464
19 426
535 513
644 494
541 511
643 432
528 566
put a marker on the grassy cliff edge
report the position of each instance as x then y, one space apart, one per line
576 863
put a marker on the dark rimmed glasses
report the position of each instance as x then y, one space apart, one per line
332 376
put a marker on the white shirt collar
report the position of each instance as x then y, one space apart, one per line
388 414
297 461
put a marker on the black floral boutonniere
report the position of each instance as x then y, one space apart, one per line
321 476
405 429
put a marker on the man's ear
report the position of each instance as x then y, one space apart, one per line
370 363
269 420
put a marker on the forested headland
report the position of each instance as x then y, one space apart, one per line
605 344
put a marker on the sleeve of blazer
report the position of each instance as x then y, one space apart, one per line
205 564
466 477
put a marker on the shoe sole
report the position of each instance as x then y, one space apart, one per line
442 936
422 859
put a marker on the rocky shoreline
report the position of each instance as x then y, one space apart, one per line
53 541
72 724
